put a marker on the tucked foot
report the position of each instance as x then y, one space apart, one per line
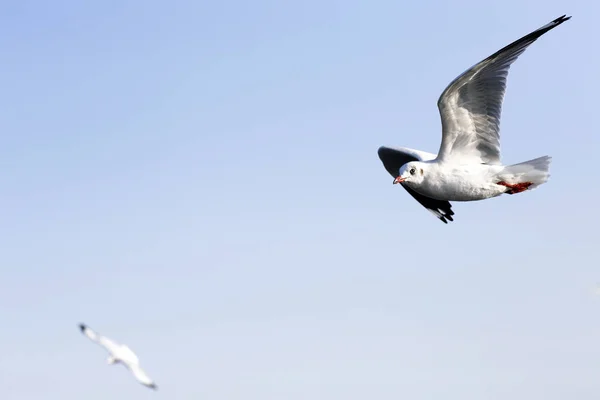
515 187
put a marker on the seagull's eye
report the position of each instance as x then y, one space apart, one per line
412 171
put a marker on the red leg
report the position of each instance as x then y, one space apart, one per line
515 187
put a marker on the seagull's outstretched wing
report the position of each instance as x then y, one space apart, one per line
141 376
471 105
394 158
101 340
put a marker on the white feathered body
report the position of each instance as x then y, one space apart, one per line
471 182
125 355
457 182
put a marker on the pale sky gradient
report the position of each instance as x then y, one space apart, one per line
200 181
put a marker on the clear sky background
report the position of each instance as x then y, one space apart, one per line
200 181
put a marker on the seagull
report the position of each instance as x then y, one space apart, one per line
119 353
467 166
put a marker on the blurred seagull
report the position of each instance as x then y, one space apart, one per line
467 167
119 353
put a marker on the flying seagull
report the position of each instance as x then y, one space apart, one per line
467 166
119 353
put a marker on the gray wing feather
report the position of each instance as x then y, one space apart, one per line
470 107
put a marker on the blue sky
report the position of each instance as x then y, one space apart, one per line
200 180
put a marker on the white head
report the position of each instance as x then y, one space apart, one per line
413 173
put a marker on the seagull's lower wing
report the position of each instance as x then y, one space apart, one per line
440 208
141 376
394 158
471 105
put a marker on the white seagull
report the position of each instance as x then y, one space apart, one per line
467 166
119 353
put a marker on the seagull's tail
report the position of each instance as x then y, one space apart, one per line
526 175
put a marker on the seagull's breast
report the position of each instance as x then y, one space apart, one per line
460 182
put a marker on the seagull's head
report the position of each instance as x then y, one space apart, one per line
411 173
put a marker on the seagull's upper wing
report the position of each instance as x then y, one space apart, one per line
101 340
471 105
141 376
394 158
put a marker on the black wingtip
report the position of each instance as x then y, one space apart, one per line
539 32
445 218
560 20
82 327
446 213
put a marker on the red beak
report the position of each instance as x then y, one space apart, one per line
399 180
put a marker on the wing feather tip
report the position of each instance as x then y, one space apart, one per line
446 217
442 215
559 20
554 24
